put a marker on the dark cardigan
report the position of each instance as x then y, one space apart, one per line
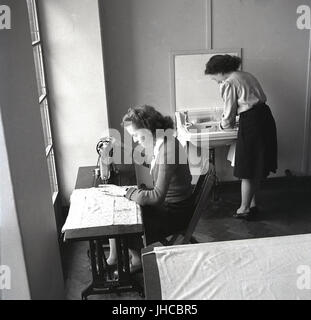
171 177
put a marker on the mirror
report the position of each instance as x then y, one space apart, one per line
192 89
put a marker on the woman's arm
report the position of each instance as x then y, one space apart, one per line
166 168
229 95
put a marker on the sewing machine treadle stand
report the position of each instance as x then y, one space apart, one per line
104 278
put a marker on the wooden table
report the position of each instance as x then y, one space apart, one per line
104 279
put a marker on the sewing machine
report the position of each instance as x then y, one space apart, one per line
104 149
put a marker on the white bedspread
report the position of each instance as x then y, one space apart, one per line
252 269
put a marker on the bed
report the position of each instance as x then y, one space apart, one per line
276 268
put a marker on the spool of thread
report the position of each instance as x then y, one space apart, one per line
96 172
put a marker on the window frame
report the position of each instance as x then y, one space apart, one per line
43 95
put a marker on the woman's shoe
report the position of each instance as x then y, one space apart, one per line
111 267
134 269
111 264
254 210
244 215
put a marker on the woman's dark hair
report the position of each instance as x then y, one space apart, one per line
147 117
223 64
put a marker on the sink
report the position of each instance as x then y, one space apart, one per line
201 128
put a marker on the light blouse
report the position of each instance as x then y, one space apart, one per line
240 92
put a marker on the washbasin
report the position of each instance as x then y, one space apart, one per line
201 128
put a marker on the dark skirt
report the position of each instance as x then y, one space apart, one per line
167 219
164 220
256 149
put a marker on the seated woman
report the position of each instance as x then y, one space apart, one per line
167 207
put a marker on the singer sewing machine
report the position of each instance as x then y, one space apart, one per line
104 149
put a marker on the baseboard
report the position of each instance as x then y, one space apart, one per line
276 182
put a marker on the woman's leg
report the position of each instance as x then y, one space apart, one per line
257 187
113 257
253 202
135 244
135 259
248 194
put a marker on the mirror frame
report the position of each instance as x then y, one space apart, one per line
174 54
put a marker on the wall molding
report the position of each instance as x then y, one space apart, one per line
209 24
307 128
277 183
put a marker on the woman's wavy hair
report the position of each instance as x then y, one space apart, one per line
223 64
147 117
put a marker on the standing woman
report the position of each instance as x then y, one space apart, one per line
256 148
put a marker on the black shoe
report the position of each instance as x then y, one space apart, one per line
110 267
254 210
133 270
245 215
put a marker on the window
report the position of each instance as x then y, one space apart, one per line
42 93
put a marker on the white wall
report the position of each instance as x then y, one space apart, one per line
11 249
34 227
139 36
73 51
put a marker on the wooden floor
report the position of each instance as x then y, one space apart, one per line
285 209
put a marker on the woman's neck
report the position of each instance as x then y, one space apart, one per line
228 75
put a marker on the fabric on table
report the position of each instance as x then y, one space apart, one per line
93 208
254 269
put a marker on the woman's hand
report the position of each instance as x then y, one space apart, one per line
113 190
